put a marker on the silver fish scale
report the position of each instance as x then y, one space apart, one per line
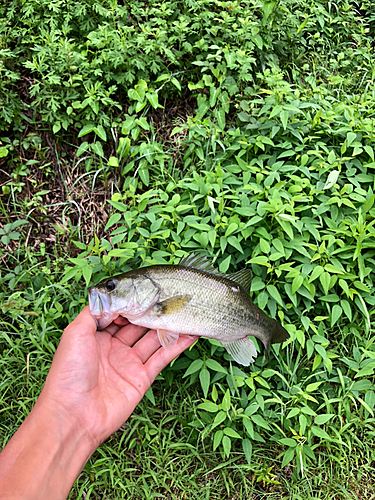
218 307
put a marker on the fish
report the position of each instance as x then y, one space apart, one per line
191 298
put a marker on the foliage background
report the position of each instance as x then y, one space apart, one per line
133 134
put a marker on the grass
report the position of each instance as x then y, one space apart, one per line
159 453
263 158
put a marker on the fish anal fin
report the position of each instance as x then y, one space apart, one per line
167 338
243 350
171 305
243 278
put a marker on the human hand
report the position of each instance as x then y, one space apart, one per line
95 382
99 377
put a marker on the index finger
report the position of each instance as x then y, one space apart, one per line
162 357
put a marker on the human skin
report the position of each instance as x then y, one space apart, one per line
95 382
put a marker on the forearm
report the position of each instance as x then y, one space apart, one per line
44 457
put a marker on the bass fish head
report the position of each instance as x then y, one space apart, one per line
129 294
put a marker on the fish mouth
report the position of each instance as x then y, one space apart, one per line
99 305
96 301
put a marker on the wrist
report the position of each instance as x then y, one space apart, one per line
50 449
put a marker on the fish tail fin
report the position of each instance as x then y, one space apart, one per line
243 350
277 336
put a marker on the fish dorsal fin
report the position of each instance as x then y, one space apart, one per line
199 262
243 278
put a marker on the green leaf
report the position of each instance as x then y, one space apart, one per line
336 314
113 161
262 300
318 432
284 116
208 406
112 220
220 116
293 412
225 404
350 137
286 227
308 411
194 367
226 445
333 269
150 396
321 351
249 427
322 419
100 132
56 127
176 83
163 77
268 8
317 271
87 129
214 365
139 92
142 122
69 273
261 260
98 149
219 418
332 178
297 283
217 439
313 387
82 148
274 293
367 370
288 442
347 309
231 229
224 265
153 99
233 241
247 449
288 457
264 246
260 422
325 280
231 433
361 385
144 175
204 377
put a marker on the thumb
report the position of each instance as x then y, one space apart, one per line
83 323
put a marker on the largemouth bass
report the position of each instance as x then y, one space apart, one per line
188 298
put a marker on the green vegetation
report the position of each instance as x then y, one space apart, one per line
134 134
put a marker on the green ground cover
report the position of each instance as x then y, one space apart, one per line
134 134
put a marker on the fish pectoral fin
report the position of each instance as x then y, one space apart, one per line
171 305
167 338
242 350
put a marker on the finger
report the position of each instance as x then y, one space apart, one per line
162 357
112 329
84 323
147 346
121 321
130 334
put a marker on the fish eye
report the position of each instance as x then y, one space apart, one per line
111 285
